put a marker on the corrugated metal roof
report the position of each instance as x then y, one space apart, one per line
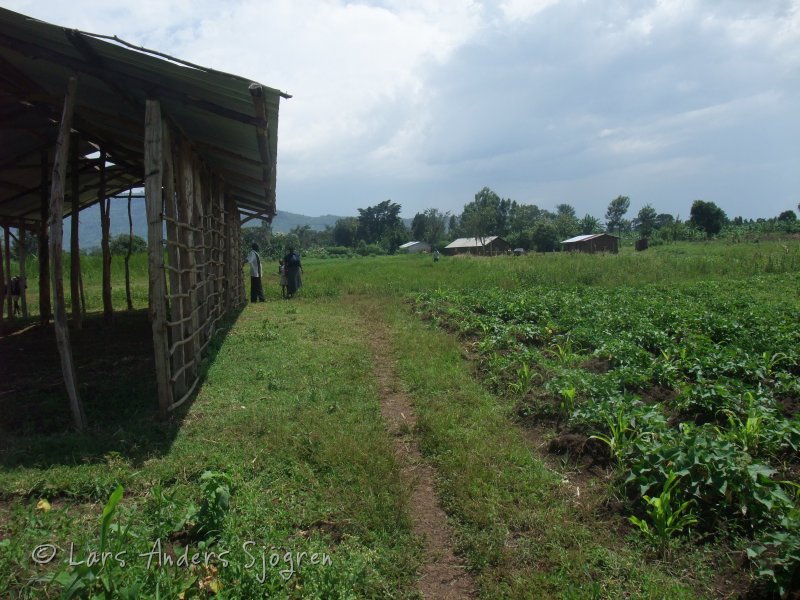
409 244
583 238
218 112
472 242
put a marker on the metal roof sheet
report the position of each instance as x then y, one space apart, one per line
583 238
221 114
472 242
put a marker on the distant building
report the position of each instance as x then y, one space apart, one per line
414 247
595 242
491 244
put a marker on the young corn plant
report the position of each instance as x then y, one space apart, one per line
525 379
568 401
667 515
621 435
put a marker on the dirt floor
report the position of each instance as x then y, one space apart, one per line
32 394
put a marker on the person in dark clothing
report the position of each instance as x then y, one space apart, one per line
256 289
293 270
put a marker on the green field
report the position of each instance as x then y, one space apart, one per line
600 426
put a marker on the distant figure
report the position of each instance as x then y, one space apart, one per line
293 270
256 289
16 292
435 256
282 275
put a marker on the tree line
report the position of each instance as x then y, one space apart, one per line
379 229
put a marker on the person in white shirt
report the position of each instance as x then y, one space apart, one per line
256 289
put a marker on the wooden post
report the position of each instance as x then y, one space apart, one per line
105 225
2 289
56 274
74 246
153 165
44 245
174 256
23 272
83 297
128 255
7 280
188 266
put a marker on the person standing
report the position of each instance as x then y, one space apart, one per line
293 270
256 289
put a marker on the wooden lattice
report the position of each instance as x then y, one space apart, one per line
196 272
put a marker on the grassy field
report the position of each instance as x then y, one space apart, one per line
283 455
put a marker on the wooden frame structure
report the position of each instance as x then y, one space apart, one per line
84 117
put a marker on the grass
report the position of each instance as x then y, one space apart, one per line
289 413
287 424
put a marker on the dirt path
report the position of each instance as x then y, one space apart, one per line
442 575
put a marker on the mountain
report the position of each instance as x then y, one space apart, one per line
286 221
89 228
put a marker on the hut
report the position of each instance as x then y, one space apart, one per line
491 245
414 247
596 242
84 117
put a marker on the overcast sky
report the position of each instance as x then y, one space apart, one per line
425 102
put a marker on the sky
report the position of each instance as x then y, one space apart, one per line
426 102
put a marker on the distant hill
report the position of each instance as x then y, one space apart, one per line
90 222
286 221
89 229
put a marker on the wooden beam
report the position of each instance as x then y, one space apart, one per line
44 244
56 227
128 298
23 273
2 289
74 245
105 226
7 280
154 163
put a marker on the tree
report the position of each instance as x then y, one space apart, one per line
376 221
616 213
487 215
345 232
663 220
787 215
119 244
418 224
452 225
544 236
566 223
522 217
435 226
707 217
565 210
646 220
589 225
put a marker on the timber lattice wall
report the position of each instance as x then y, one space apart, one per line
196 274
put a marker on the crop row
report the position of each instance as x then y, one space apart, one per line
694 390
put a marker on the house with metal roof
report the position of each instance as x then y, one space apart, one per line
491 244
596 242
84 117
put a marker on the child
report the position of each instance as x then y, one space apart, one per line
284 281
